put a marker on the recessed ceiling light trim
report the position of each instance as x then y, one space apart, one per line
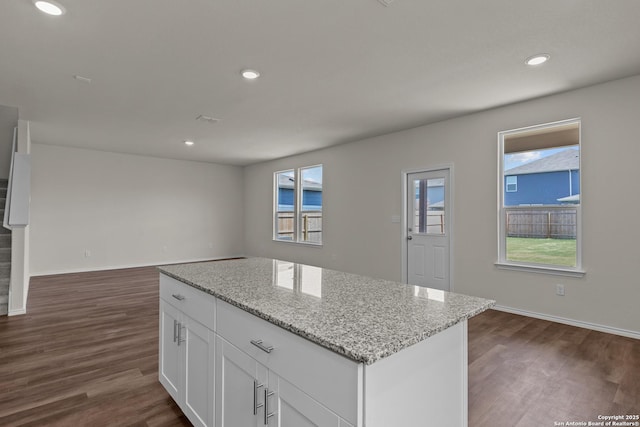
250 74
537 59
189 143
49 7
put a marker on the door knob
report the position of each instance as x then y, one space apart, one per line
409 237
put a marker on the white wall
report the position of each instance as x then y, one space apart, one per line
364 177
129 210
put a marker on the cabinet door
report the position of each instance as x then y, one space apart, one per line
293 408
169 354
198 345
240 387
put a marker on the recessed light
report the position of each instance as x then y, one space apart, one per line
250 74
538 59
189 143
49 7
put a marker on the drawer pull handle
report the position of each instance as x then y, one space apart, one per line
258 343
178 297
267 414
256 405
175 327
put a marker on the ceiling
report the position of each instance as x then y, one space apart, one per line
332 71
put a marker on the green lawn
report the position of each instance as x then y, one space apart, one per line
543 251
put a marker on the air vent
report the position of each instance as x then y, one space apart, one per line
207 119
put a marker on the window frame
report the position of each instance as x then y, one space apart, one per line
276 197
503 262
298 206
507 184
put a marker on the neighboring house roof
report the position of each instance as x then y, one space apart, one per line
561 161
288 182
570 199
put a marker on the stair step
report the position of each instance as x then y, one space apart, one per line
4 309
4 230
5 254
5 269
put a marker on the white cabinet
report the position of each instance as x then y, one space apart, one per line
225 367
169 363
265 371
240 387
293 408
187 357
249 394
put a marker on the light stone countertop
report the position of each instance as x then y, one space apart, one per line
358 317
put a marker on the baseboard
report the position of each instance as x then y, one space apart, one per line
580 324
121 267
17 312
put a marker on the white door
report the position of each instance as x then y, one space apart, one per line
428 229
199 356
293 408
240 386
170 372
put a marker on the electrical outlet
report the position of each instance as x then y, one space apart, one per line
560 289
87 253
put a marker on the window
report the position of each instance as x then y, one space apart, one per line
540 203
298 205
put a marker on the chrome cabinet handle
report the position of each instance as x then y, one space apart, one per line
175 334
258 343
256 405
180 327
178 297
267 414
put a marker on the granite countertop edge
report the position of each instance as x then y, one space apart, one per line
365 358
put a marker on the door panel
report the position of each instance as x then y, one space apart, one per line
236 372
169 350
428 234
294 408
199 374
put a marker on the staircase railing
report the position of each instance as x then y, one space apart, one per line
7 202
16 208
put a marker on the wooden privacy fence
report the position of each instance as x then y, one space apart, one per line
310 223
553 224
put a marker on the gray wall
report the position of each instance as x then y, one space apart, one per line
365 176
129 210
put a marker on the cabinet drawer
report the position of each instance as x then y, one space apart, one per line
193 302
327 377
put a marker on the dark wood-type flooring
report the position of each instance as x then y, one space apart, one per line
86 354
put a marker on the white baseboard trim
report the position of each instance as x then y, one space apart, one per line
580 324
121 267
17 312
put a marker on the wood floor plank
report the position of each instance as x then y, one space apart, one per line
547 372
86 354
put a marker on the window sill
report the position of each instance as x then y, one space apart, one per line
292 242
557 271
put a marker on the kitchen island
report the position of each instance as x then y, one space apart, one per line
258 341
